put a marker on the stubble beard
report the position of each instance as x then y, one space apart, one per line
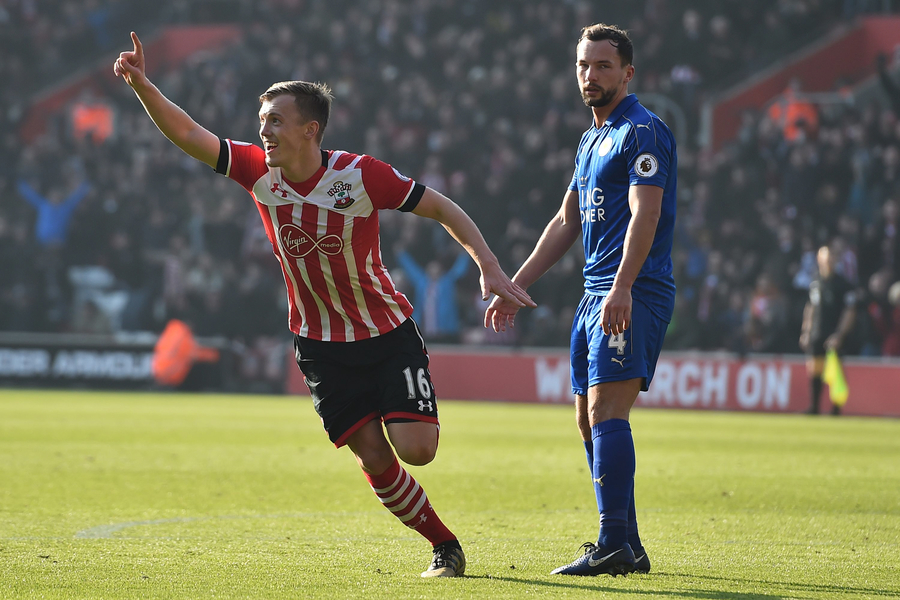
606 96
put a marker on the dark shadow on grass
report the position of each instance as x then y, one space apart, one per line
572 583
795 586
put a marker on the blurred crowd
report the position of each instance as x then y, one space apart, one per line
105 226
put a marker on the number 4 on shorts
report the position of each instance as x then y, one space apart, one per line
618 342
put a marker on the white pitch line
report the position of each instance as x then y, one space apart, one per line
107 531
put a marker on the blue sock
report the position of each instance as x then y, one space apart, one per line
589 451
613 475
633 538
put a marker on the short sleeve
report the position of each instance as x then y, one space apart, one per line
650 154
245 163
573 185
387 188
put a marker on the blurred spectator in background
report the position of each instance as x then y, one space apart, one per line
797 118
767 316
891 322
436 304
91 320
91 118
891 88
828 318
54 212
874 315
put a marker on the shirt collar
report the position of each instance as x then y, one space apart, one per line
620 108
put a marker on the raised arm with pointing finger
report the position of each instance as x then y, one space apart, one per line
171 120
360 351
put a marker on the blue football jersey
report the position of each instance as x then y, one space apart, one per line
633 147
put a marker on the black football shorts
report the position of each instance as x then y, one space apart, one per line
385 377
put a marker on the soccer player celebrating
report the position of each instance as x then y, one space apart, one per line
622 203
362 355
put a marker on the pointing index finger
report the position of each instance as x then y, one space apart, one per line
138 47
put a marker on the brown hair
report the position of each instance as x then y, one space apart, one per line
313 100
617 37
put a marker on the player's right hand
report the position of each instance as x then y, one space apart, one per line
500 313
130 65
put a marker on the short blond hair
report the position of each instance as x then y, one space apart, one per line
313 100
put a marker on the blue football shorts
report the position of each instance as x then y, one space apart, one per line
596 357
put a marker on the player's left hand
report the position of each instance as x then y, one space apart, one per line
615 316
833 342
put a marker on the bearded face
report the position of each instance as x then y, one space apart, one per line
602 77
596 96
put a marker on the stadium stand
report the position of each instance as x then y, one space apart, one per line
474 99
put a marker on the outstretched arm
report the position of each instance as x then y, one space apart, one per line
78 195
413 270
171 120
454 219
559 235
30 194
459 268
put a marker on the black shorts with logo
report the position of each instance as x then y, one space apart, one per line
385 377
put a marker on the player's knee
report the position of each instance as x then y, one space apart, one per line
375 462
417 454
584 425
582 419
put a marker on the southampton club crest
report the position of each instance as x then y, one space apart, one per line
340 191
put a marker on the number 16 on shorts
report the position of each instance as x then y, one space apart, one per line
418 386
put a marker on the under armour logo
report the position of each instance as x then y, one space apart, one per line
621 361
426 405
277 189
421 520
599 480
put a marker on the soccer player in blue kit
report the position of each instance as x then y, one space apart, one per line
622 203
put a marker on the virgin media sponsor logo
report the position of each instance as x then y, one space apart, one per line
297 243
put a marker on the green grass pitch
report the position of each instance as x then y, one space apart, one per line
112 496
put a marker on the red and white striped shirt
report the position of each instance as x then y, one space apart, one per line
324 232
